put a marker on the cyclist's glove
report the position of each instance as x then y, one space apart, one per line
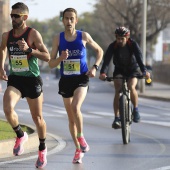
144 73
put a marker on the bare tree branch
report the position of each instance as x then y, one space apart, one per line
115 13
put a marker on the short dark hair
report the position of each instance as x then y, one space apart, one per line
21 6
69 10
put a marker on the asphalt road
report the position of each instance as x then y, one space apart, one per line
149 148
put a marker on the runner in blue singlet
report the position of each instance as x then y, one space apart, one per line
73 84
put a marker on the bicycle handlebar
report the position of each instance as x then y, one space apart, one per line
125 77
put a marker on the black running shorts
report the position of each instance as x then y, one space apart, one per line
128 73
28 86
67 85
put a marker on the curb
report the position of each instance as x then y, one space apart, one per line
6 146
31 146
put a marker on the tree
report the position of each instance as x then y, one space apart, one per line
47 28
112 13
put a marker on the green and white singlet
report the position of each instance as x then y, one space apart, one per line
21 64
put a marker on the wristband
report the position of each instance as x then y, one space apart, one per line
29 50
96 66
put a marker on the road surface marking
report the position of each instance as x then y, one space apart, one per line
163 168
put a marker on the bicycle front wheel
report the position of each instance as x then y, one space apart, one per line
125 125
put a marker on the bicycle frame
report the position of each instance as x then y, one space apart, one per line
125 107
126 92
125 111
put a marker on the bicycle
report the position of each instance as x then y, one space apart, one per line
125 107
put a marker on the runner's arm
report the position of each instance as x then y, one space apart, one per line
3 54
42 51
98 50
54 60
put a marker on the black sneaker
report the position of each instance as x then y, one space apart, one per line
116 123
136 116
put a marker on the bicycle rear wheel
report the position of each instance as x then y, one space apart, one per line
123 109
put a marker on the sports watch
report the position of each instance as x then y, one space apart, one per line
29 50
96 66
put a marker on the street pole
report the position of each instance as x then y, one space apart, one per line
143 42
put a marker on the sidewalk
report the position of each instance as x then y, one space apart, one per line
157 91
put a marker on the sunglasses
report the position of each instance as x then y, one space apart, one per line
16 15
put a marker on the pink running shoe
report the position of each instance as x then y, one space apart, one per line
83 144
78 156
18 148
42 159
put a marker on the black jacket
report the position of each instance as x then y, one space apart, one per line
135 59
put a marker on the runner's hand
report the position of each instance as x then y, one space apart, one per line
22 45
3 75
92 72
64 54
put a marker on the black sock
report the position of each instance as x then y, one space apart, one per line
18 131
42 144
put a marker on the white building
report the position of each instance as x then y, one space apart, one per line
162 48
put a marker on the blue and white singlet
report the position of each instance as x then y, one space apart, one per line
76 63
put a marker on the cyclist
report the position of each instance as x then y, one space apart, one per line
127 59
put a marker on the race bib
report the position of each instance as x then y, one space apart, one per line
71 66
19 63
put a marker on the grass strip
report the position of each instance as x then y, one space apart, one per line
6 131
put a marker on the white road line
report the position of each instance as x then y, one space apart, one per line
53 106
53 115
167 124
91 116
148 115
165 114
156 107
60 111
23 110
102 113
163 168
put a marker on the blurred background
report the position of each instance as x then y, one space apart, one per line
100 18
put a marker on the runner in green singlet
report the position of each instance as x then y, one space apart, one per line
25 46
